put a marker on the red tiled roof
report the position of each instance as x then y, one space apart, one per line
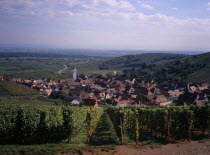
94 86
74 84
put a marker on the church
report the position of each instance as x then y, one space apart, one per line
75 74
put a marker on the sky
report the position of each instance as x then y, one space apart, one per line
107 24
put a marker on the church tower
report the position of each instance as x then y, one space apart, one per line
74 73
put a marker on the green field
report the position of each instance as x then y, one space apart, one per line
44 149
3 92
138 60
31 68
87 68
28 100
47 68
11 89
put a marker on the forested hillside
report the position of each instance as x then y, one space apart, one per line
191 69
138 60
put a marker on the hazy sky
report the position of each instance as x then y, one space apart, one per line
107 24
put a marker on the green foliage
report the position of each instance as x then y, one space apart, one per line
104 133
74 120
41 124
139 60
95 115
201 117
189 69
15 89
43 149
153 120
29 100
59 95
46 64
174 71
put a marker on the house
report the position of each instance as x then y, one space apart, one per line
166 103
73 84
101 96
75 102
111 91
47 92
173 95
201 99
143 91
85 82
94 86
91 101
130 90
123 103
156 99
134 97
1 78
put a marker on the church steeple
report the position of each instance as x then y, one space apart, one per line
74 73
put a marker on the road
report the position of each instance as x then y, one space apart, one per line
65 68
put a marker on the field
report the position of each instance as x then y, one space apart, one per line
88 68
31 67
11 89
28 100
37 68
138 60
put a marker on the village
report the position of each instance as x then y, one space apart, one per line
81 90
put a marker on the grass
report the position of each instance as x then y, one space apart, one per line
104 133
31 68
200 137
8 88
28 100
87 68
44 149
37 68
3 92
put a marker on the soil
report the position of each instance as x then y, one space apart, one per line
181 148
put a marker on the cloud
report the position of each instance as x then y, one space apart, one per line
146 6
139 2
54 8
174 9
117 22
208 5
100 4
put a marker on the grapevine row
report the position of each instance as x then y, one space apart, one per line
169 123
42 124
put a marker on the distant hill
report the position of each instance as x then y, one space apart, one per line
189 69
138 60
202 75
12 89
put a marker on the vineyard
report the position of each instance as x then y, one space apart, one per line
44 124
164 123
38 124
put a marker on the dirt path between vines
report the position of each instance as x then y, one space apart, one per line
182 148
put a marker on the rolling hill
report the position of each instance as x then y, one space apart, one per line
138 60
189 69
12 89
202 75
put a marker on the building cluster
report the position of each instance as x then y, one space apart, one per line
81 90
